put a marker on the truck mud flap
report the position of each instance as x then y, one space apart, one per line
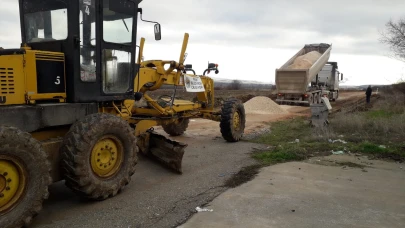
166 151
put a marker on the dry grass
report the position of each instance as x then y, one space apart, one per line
385 121
398 88
378 131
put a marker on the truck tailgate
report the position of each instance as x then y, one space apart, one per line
291 81
296 81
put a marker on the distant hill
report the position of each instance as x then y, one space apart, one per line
240 84
361 87
224 80
222 83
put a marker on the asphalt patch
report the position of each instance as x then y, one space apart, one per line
244 175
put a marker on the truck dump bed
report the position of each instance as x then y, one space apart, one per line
296 81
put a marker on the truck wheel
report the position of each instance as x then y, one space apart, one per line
316 99
310 99
233 120
24 177
99 155
177 127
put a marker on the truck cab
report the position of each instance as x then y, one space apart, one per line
328 80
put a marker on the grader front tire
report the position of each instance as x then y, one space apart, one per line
176 128
233 120
24 177
99 156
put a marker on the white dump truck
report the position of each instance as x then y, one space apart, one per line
308 76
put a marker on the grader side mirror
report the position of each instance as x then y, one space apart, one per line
157 28
158 33
341 76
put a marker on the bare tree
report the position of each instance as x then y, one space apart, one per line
394 37
235 85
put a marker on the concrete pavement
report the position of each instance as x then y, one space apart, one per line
334 191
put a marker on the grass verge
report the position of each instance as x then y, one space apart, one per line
378 132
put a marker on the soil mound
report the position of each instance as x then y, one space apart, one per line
263 105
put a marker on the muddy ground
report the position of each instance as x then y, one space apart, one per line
156 197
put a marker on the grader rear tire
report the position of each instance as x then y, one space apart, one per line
176 128
99 156
233 120
24 177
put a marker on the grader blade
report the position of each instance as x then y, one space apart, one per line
166 151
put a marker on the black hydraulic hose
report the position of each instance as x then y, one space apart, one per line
185 71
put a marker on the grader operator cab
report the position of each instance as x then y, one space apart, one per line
69 104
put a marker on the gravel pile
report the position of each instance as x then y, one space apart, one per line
263 105
305 61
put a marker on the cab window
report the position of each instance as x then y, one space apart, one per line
46 25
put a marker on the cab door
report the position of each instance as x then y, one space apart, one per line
117 38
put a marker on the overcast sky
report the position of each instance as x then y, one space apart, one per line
249 39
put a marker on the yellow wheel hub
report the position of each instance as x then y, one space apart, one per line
12 182
106 156
236 121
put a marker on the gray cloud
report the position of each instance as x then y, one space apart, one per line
281 24
352 26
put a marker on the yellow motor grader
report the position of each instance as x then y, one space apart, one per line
70 104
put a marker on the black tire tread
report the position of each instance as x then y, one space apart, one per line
229 107
176 128
76 150
22 145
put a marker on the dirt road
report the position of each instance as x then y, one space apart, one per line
157 197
